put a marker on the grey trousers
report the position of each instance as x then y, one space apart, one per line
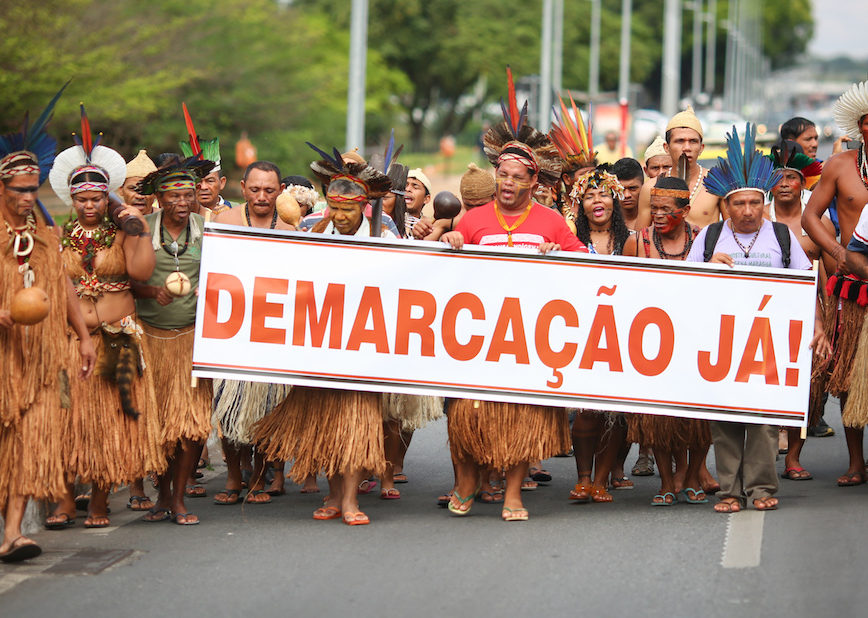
745 456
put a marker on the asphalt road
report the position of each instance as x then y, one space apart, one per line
415 559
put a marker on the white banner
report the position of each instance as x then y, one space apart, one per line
596 332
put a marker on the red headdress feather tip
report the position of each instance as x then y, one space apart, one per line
513 104
191 131
86 137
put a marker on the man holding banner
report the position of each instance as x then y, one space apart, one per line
509 435
745 453
336 431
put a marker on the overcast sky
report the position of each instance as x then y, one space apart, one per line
840 28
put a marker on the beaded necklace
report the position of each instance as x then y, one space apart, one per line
22 239
88 242
688 242
745 250
862 164
510 228
250 223
172 247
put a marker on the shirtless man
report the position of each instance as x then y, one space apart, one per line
684 136
843 180
260 187
786 207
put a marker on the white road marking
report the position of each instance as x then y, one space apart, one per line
742 548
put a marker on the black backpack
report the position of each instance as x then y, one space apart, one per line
782 233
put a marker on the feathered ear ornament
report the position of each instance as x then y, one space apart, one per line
683 167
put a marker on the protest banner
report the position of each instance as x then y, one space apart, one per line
596 332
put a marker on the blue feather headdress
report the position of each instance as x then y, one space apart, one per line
743 169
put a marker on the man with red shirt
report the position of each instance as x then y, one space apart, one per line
513 219
507 435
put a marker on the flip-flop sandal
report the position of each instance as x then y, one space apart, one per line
443 501
59 525
663 499
529 484
390 494
202 463
727 507
540 476
19 553
195 491
400 477
851 480
461 502
93 525
82 502
311 490
164 514
788 474
581 492
508 514
622 483
600 495
694 500
135 503
356 519
366 487
276 492
765 506
327 512
256 493
233 495
176 519
490 497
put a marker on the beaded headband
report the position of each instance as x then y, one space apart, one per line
18 164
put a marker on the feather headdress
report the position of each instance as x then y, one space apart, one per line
743 169
514 135
31 139
789 155
376 183
178 174
86 156
31 150
207 149
850 108
597 179
571 139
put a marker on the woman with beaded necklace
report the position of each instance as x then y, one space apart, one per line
597 436
112 429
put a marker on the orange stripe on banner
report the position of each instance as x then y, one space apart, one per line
479 386
501 258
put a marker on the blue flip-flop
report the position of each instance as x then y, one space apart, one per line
663 498
690 500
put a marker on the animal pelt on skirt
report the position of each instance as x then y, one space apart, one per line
102 444
121 363
503 435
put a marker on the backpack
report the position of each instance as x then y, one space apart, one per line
782 233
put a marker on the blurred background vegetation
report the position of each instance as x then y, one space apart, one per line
278 70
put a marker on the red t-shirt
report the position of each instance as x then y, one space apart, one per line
480 226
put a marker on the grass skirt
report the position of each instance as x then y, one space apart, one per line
503 435
102 445
411 411
668 432
239 405
30 453
324 430
185 411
